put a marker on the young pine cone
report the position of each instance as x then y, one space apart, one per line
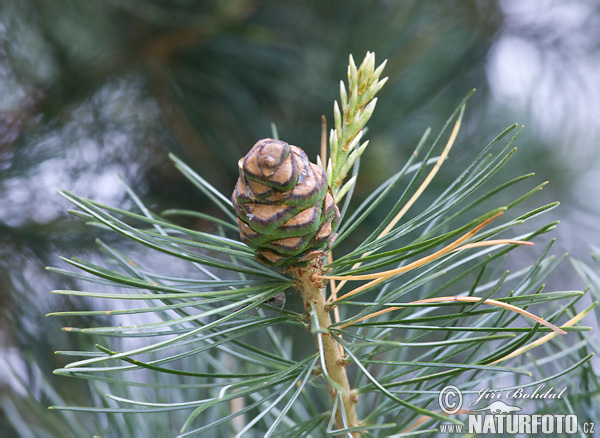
285 209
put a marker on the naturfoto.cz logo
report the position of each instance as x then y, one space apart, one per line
496 416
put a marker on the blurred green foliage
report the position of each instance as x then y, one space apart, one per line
89 89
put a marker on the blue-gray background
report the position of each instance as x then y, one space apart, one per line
92 89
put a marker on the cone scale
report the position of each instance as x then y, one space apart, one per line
284 206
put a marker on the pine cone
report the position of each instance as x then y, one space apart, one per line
285 209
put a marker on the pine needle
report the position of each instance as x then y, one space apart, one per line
489 301
420 190
381 276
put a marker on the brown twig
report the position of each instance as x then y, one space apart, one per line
335 368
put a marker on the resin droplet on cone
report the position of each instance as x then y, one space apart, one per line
285 209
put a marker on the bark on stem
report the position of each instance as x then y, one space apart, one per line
311 292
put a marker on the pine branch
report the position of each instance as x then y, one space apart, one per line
217 324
